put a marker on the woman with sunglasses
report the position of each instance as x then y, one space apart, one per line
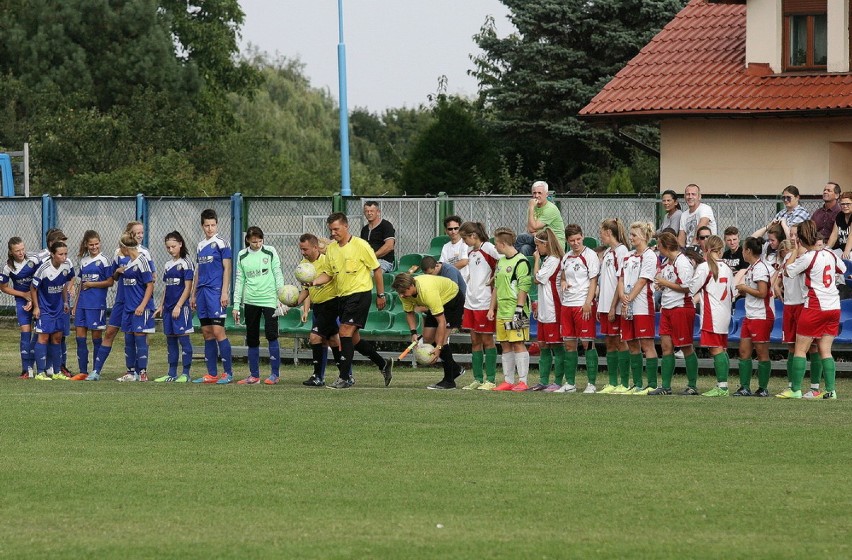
455 250
840 240
792 214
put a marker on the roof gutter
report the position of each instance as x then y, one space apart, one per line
635 142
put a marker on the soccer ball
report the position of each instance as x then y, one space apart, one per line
289 295
423 354
305 272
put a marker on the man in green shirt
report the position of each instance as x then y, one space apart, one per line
541 214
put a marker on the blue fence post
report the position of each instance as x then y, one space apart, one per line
236 231
48 217
142 216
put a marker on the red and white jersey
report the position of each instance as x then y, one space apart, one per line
757 308
636 267
547 280
794 289
679 272
818 269
480 265
717 296
578 271
611 263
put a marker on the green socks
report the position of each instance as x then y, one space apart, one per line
545 361
692 370
559 363
636 368
722 365
668 370
491 364
829 370
797 372
764 372
571 367
611 359
745 373
624 367
477 357
816 368
592 364
651 371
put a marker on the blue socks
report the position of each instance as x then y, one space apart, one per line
82 354
254 361
211 356
141 353
225 352
274 357
186 352
41 356
25 347
101 357
172 349
54 357
129 351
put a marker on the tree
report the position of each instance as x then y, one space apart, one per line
534 82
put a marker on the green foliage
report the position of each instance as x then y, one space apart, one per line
620 182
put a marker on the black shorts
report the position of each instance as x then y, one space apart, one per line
354 308
453 312
325 318
252 320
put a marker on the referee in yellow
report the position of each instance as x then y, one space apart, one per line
444 304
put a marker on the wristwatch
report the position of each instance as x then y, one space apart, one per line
381 295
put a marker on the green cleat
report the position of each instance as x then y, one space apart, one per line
607 389
487 386
59 377
43 377
644 392
165 379
182 379
830 395
475 385
789 394
620 390
716 392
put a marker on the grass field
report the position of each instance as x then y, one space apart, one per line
109 470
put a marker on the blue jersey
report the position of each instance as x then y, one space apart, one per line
135 279
119 260
175 275
49 283
211 253
93 269
21 274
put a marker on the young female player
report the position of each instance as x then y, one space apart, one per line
677 318
482 262
95 274
138 280
714 280
259 280
15 280
49 294
546 273
637 313
820 317
579 279
617 358
757 325
178 275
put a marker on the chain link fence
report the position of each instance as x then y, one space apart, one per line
414 219
20 217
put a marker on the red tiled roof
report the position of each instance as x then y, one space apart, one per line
695 66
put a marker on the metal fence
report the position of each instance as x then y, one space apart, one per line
415 220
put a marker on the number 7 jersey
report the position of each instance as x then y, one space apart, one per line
716 296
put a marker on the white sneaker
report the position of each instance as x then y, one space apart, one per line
126 378
590 389
679 354
813 394
566 389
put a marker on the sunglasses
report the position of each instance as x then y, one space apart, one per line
452 229
703 237
787 198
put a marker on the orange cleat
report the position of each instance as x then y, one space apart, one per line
79 377
505 386
521 386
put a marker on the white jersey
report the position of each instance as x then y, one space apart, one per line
716 296
547 281
579 270
611 263
818 269
453 252
689 221
757 308
481 265
679 272
636 267
794 289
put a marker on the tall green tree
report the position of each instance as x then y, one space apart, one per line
534 81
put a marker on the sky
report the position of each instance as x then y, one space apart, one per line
396 50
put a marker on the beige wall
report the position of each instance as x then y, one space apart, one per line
764 33
755 156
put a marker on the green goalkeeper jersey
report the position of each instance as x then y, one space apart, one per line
513 275
259 277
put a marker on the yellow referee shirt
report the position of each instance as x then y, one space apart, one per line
433 292
352 266
319 294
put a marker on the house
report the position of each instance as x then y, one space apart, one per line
751 96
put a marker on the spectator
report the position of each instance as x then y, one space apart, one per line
840 241
541 214
733 255
430 266
455 250
792 214
825 215
702 235
671 219
697 215
381 236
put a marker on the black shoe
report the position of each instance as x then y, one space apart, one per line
387 371
459 373
660 391
741 392
314 381
761 392
342 383
689 391
445 385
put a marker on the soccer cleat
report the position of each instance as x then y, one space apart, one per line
761 392
250 380
183 378
24 375
505 386
689 392
143 377
630 390
313 381
538 387
660 391
65 371
742 392
459 373
487 386
552 388
224 379
94 376
520 387
207 379
830 395
813 394
716 392
42 376
165 379
387 371
620 390
126 378
341 384
475 385
645 391
789 394
60 377
442 385
590 389
80 377
607 389
272 380
567 388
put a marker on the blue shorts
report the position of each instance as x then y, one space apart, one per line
180 326
208 302
24 317
134 323
92 319
116 316
51 324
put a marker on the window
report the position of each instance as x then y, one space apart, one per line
805 35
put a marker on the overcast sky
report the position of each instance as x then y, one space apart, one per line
395 49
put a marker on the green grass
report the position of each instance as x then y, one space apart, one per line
109 470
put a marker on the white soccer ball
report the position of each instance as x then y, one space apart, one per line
305 272
289 295
423 354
